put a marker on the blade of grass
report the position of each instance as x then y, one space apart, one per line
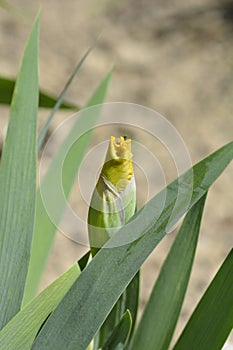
18 183
212 320
120 334
72 325
45 128
44 229
160 316
45 101
21 331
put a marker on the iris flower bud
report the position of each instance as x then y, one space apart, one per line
113 201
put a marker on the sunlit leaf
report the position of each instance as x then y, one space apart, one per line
212 320
21 331
159 318
18 183
44 229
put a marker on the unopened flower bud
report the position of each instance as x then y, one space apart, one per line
113 201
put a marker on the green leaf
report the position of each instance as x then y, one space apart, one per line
132 299
120 334
58 103
159 319
79 316
44 229
18 183
45 100
21 331
212 320
127 301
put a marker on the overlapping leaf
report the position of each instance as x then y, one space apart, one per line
45 100
162 310
21 331
44 228
59 103
120 334
78 317
212 320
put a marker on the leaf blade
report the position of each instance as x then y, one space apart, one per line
169 290
44 228
46 100
58 103
18 183
70 329
21 331
215 306
120 334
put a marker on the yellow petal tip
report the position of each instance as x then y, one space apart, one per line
118 167
121 149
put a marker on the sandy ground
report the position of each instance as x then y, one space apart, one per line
173 57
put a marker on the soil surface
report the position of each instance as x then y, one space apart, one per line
171 56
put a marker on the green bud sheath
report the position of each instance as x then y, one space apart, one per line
113 201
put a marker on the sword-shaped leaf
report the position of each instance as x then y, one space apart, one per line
44 228
212 320
159 318
60 98
7 86
18 183
21 331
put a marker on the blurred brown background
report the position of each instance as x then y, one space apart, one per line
173 56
